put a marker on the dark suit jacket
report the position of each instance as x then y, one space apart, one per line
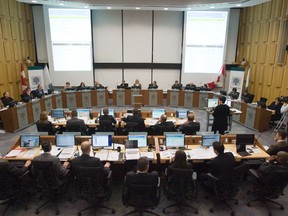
151 86
76 125
6 101
137 119
167 126
26 98
8 167
45 126
60 170
276 147
267 171
222 165
107 118
221 114
176 86
38 94
190 128
142 178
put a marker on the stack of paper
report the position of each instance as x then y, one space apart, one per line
132 154
149 155
14 153
66 154
113 156
102 155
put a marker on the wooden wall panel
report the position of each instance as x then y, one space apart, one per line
270 55
7 51
275 30
278 77
254 53
262 54
248 33
250 14
265 31
266 15
15 51
5 28
268 74
20 10
276 8
2 73
2 54
258 13
5 8
256 32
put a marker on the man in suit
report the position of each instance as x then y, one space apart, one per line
6 166
98 85
27 95
176 85
76 125
276 105
6 99
85 160
153 85
106 121
39 92
280 145
221 114
190 86
190 127
46 156
164 126
137 119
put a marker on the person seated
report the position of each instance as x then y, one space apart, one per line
247 97
98 85
43 125
276 106
280 145
85 160
137 84
123 85
180 161
39 92
164 126
81 86
67 85
46 156
176 85
190 127
234 94
153 85
14 170
137 119
76 125
106 121
7 100
284 108
27 95
190 86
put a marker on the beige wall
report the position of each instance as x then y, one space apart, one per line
259 42
16 43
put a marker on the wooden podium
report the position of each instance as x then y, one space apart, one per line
138 101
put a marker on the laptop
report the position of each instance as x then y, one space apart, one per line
110 110
30 141
67 143
101 141
241 141
212 102
209 139
174 140
57 113
182 114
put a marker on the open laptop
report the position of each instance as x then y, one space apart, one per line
83 114
57 113
110 110
67 143
212 102
30 141
182 114
241 141
208 139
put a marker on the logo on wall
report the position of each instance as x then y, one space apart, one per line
35 80
235 81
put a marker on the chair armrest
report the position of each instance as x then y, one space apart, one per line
210 175
23 175
109 175
254 173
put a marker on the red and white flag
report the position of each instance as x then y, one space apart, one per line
23 78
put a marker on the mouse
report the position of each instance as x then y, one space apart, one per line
188 156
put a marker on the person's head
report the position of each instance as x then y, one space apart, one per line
105 111
86 147
82 84
68 84
191 117
176 82
96 83
39 86
46 145
277 100
74 114
143 164
28 90
282 157
137 81
280 135
180 159
222 99
234 89
6 94
218 148
154 82
135 112
123 81
43 116
163 118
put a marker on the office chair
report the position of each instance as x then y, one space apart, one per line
166 127
141 196
93 185
268 189
48 183
105 126
131 127
77 128
180 187
12 189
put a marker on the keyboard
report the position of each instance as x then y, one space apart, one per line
243 153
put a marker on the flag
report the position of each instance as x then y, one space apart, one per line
247 78
47 78
23 78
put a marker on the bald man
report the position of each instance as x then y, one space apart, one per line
85 160
164 126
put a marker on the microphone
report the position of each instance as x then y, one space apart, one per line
256 140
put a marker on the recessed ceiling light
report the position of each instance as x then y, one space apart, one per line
137 8
34 1
165 8
86 6
212 7
108 8
188 8
238 5
61 4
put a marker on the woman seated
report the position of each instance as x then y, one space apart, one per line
234 94
180 161
43 125
81 86
137 84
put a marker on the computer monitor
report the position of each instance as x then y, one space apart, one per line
228 102
100 141
175 140
29 141
141 138
130 144
110 110
57 113
105 133
247 139
212 102
83 113
207 140
65 140
182 113
156 113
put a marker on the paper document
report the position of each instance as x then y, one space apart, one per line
149 155
165 154
132 155
14 153
30 153
66 153
113 156
55 151
102 155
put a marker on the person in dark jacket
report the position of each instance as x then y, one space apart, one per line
221 114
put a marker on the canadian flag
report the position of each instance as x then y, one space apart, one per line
23 78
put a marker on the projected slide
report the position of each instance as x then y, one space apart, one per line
70 31
205 40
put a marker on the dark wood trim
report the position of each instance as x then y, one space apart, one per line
138 65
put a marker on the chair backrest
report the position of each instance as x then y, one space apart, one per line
105 126
166 127
72 133
93 183
132 127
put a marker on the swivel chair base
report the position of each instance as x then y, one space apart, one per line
57 212
180 205
95 207
232 213
141 211
265 201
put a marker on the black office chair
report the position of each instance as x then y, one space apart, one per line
142 197
48 183
12 189
93 185
105 126
268 189
166 127
77 128
189 129
180 187
131 127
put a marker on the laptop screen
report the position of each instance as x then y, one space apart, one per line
175 140
156 113
57 113
102 140
141 138
65 140
111 112
247 139
181 113
228 102
212 102
30 141
207 140
83 113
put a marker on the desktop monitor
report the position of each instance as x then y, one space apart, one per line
65 140
156 113
175 140
130 144
83 113
181 113
110 110
228 102
207 140
30 141
101 140
105 133
57 113
212 102
141 138
247 139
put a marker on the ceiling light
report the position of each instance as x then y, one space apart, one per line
61 4
238 5
188 8
137 8
212 7
108 8
165 8
34 1
86 6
